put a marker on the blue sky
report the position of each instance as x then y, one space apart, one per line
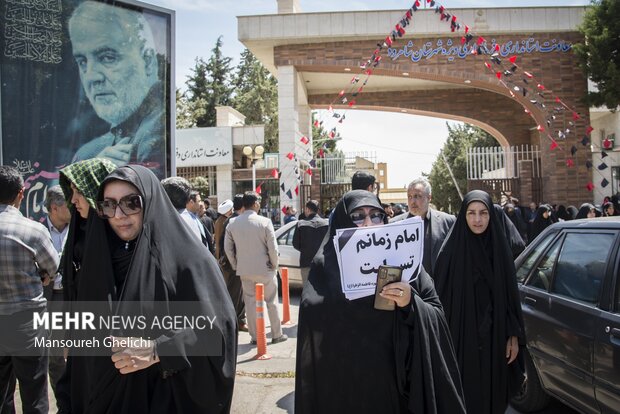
200 22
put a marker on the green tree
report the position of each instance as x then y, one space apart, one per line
321 138
599 56
209 86
460 137
256 97
184 111
200 184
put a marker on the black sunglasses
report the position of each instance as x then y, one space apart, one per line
130 204
376 217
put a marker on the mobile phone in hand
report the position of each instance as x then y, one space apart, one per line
385 276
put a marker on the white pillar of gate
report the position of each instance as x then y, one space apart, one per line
288 6
294 122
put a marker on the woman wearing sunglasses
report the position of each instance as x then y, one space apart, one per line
352 357
146 262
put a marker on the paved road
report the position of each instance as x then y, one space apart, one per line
259 387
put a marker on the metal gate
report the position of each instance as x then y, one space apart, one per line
506 172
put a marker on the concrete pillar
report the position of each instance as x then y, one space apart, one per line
288 6
291 114
228 116
224 182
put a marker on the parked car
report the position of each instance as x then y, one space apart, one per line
570 296
289 257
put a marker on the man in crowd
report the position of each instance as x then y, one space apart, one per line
290 215
250 245
205 227
57 221
388 209
362 180
27 263
437 224
226 210
114 50
308 236
209 211
179 190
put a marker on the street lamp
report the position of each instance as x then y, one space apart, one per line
254 154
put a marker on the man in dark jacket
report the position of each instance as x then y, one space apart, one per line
437 224
308 236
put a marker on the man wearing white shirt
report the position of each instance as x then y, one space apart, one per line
193 208
251 248
179 191
57 222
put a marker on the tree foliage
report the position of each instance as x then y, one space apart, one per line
250 89
599 56
460 138
321 138
209 86
256 97
185 112
200 184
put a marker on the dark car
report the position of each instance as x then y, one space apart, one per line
570 296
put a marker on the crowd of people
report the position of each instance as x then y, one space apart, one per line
119 236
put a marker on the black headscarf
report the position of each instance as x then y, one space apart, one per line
516 218
354 358
572 212
585 209
563 213
517 245
477 285
606 206
540 222
167 264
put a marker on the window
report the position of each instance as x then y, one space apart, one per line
582 265
287 238
541 277
271 160
528 263
615 180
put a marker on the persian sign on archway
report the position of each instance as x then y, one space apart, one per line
431 71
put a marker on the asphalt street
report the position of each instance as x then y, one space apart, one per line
268 386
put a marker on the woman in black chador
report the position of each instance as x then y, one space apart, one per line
587 210
477 286
352 358
542 220
145 256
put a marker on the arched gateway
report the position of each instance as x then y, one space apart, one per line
315 55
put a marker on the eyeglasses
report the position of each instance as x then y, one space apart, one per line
376 217
130 204
417 197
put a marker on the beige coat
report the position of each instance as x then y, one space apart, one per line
250 245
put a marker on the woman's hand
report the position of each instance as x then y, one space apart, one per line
133 354
399 292
512 349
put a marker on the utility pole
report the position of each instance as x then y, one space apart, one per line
458 189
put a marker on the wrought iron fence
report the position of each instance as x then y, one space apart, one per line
502 162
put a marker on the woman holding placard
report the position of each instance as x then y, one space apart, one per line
352 357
